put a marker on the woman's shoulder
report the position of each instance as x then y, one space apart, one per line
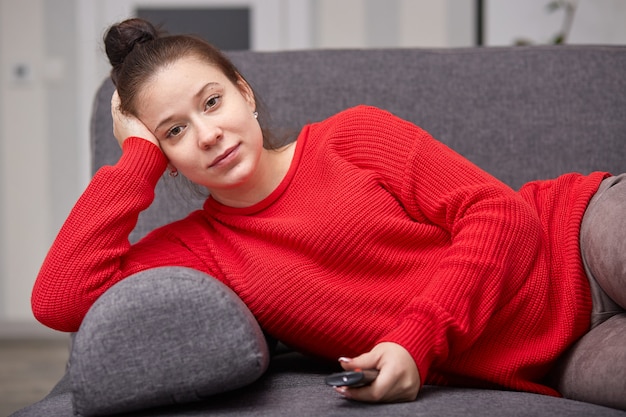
364 136
364 123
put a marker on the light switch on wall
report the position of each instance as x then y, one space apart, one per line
21 73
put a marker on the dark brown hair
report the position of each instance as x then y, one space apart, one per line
137 50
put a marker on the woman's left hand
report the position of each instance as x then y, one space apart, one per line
398 379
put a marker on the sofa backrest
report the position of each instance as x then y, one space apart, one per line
520 113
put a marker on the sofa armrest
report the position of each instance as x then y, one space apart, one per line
163 336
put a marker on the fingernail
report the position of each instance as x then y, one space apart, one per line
344 359
343 391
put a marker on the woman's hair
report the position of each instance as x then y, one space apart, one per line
137 50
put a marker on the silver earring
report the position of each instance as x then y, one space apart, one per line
255 114
173 173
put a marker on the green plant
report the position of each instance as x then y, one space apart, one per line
569 9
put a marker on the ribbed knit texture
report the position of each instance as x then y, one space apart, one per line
377 233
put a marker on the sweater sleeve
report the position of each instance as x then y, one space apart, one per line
495 238
92 251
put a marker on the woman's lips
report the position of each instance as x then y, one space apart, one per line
224 156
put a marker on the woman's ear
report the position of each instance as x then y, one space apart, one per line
173 172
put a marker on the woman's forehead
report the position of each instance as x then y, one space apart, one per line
184 76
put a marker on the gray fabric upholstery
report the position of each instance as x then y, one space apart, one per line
164 336
519 113
294 386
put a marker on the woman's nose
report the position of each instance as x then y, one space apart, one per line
208 134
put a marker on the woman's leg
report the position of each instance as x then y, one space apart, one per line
594 369
603 248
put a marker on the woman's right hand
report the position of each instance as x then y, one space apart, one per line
398 380
125 126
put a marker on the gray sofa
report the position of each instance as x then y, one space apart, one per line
172 342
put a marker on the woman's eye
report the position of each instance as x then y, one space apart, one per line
175 131
212 102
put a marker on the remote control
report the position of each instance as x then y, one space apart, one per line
356 378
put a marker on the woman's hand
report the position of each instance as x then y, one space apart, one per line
398 379
125 126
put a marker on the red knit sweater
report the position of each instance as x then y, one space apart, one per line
377 233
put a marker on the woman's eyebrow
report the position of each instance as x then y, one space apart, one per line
208 86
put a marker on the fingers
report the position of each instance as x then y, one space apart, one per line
125 125
398 379
115 101
365 361
386 388
118 119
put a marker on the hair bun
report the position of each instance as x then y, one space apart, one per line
123 37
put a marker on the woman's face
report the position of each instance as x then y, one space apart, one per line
204 123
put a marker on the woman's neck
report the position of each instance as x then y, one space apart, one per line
272 169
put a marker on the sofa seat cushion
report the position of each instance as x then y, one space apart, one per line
163 336
294 386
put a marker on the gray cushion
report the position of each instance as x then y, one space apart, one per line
163 336
294 386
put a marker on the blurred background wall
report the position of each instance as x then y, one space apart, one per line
51 62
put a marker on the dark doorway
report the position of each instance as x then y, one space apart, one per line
226 28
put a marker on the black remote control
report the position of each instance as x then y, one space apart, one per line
357 378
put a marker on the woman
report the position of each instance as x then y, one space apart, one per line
365 239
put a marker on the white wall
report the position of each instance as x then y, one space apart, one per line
595 22
38 158
393 23
24 167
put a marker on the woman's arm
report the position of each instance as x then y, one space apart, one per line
92 251
495 239
86 257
